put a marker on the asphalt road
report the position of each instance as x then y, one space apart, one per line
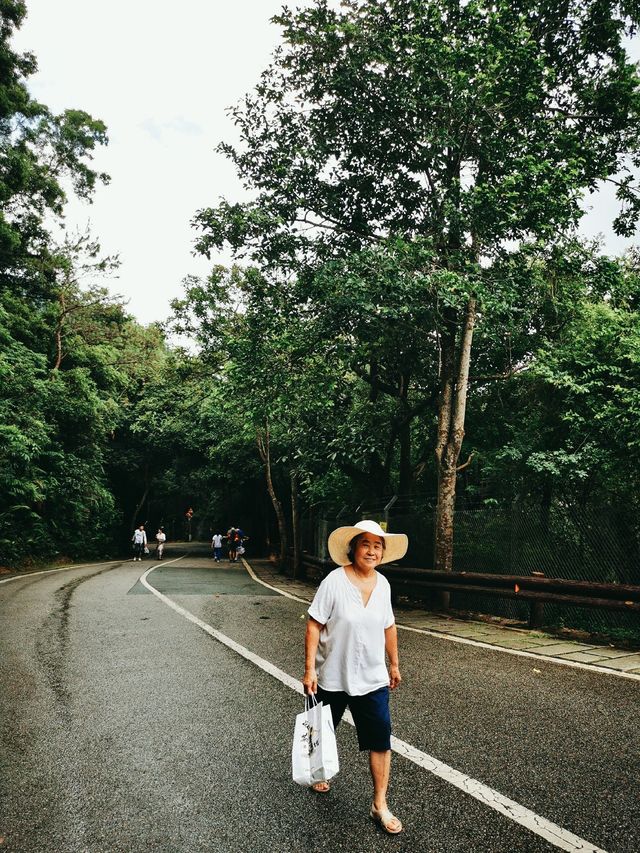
125 727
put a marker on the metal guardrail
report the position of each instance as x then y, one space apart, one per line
536 589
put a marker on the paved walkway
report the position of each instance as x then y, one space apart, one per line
609 658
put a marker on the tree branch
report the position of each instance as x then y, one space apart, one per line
467 463
380 385
495 376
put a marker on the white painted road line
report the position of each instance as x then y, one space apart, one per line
574 664
81 566
268 585
601 670
551 832
59 569
227 641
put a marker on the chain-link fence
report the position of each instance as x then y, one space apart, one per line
598 544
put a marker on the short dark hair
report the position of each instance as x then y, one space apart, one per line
351 551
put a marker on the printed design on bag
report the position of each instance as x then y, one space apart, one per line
311 737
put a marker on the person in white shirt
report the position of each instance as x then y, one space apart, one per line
139 540
161 538
216 544
350 629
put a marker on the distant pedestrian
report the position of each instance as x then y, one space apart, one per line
161 538
139 540
232 543
216 544
242 538
235 537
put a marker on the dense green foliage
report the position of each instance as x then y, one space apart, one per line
392 148
69 366
463 123
552 404
72 362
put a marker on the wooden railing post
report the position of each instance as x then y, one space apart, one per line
536 610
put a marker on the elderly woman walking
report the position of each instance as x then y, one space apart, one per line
350 628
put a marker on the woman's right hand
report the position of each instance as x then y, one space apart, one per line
310 681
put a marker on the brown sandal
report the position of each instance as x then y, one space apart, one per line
318 790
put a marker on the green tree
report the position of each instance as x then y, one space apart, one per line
37 151
245 352
56 417
463 124
581 397
51 480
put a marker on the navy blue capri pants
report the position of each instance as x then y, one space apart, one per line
370 714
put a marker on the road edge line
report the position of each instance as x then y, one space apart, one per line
268 585
59 569
574 664
52 571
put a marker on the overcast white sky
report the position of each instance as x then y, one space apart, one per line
161 76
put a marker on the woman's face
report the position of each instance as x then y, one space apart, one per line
368 551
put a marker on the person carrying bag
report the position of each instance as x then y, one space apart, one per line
350 636
314 755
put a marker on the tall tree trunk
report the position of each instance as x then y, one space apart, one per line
63 312
378 478
265 454
451 415
295 523
405 480
140 503
267 524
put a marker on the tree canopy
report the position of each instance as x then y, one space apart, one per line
460 127
407 278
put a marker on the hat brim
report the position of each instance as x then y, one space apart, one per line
396 544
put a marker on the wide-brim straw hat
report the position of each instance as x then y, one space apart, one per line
396 544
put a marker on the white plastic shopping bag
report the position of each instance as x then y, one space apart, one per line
314 755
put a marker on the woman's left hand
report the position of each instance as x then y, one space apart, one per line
394 677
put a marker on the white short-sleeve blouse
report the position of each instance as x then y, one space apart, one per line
351 651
